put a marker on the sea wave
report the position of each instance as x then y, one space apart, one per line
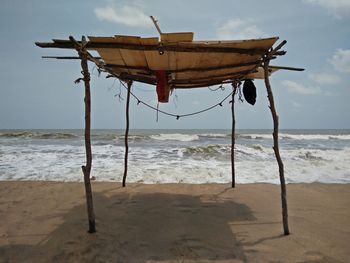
214 135
38 135
315 136
209 150
289 136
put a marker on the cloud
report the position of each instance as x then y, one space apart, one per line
325 79
297 88
239 29
296 106
126 15
341 60
339 8
196 103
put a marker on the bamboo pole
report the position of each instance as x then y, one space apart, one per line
127 134
276 147
234 84
87 168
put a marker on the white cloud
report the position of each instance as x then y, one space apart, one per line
325 79
239 29
339 8
126 15
296 105
341 60
297 88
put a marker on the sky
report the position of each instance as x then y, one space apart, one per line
38 93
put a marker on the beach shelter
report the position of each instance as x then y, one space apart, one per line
175 61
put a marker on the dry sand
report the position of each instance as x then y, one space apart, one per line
46 222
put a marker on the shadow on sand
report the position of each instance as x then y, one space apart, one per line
142 228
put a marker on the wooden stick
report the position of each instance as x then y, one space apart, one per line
286 68
127 134
276 147
235 85
65 57
156 25
87 168
276 49
98 63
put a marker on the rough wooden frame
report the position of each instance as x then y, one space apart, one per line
84 55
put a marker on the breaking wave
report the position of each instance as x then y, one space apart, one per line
175 137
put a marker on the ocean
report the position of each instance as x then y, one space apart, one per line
176 156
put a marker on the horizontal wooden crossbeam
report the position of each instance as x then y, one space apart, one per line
67 44
237 65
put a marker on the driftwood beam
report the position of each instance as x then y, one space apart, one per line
67 44
205 84
113 66
145 79
276 147
127 134
87 168
222 77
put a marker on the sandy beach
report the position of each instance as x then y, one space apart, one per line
46 222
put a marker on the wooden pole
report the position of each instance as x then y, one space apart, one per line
276 147
127 134
234 84
87 168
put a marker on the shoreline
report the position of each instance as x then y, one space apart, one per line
46 221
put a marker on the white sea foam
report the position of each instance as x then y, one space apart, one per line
175 137
214 135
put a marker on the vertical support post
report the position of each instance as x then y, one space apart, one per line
276 146
87 168
127 133
233 139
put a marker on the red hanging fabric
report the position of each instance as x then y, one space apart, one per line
163 89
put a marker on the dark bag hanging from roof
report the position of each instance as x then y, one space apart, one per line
249 91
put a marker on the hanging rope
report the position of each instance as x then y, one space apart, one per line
177 116
221 87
